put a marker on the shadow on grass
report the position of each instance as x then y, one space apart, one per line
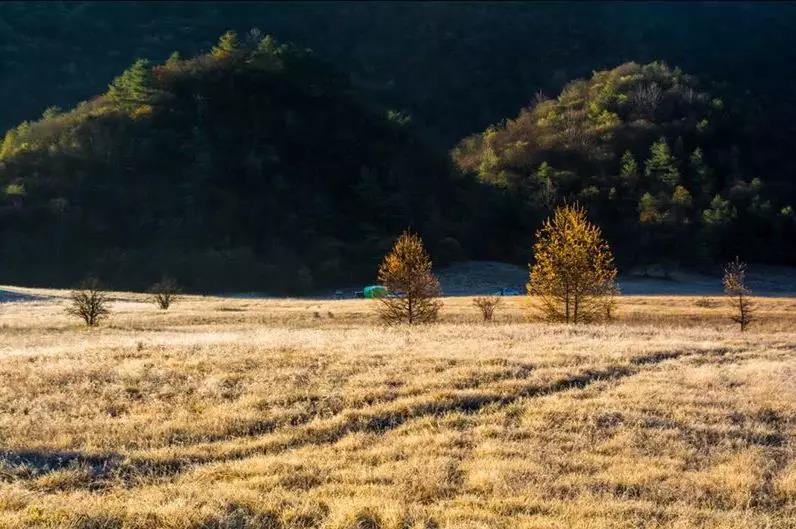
8 296
32 464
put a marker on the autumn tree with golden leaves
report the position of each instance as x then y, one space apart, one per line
573 276
412 288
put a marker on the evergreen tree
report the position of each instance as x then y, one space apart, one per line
628 171
648 210
51 112
700 173
546 187
227 45
134 87
268 45
681 205
720 213
717 220
173 60
267 54
661 167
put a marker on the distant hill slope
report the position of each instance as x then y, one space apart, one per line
255 165
455 67
472 278
652 154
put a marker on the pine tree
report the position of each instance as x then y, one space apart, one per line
701 174
412 288
628 172
720 213
680 205
661 167
648 212
268 54
573 274
227 45
268 45
174 60
546 186
51 112
134 87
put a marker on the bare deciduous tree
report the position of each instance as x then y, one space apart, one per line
647 98
164 292
487 306
412 288
89 302
735 287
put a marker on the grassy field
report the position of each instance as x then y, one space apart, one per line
266 414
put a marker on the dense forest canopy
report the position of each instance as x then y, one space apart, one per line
255 164
651 153
455 67
244 162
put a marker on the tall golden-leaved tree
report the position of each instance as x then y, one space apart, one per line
573 276
412 288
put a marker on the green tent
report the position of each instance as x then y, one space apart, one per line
374 291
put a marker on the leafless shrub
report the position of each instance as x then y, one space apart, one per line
164 292
705 303
89 302
647 98
487 306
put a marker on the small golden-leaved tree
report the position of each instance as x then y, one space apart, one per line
735 287
412 290
573 276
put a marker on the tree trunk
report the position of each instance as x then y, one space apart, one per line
576 302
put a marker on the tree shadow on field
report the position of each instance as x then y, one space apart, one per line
8 296
31 464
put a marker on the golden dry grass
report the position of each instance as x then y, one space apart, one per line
231 414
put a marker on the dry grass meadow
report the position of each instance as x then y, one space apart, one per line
266 414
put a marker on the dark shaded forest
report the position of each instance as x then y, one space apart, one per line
289 157
252 164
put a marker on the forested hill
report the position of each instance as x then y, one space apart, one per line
255 165
248 163
654 157
455 67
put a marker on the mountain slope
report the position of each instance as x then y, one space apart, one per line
253 165
651 153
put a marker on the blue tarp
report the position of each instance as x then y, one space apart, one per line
374 291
